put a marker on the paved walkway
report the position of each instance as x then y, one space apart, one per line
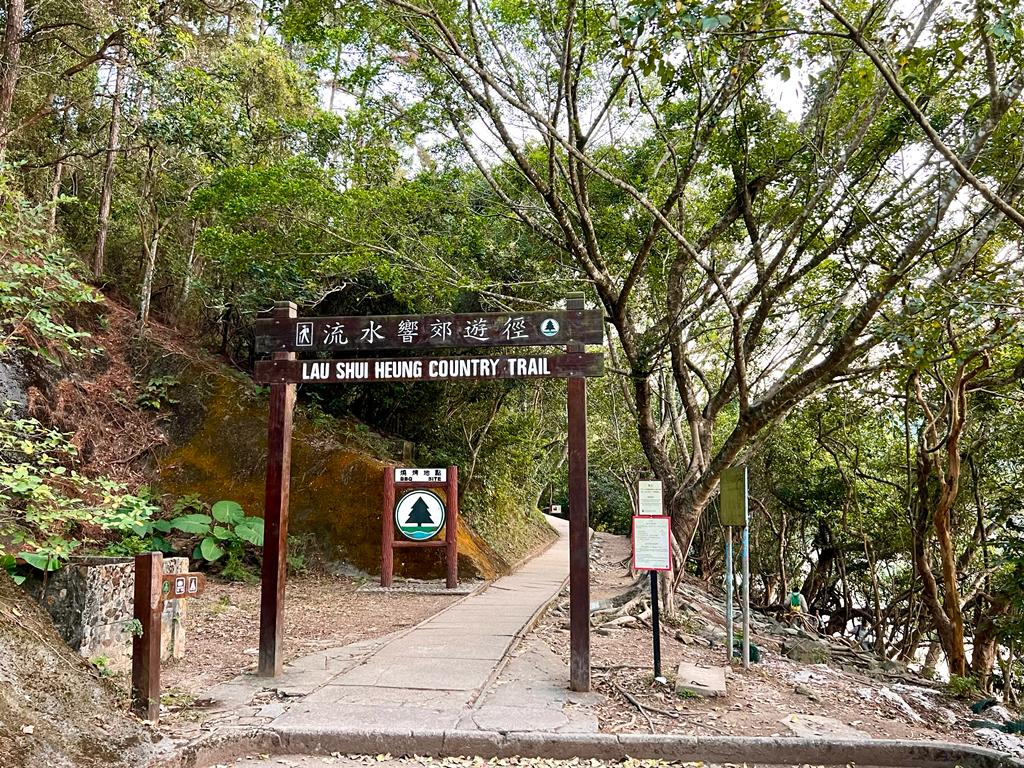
460 669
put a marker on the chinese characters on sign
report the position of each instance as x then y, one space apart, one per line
392 332
652 543
415 475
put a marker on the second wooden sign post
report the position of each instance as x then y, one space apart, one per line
419 515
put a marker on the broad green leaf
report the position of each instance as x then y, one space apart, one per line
251 530
195 523
42 562
210 549
226 511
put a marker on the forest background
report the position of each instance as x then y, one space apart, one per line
798 217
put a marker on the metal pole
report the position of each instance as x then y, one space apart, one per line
746 597
728 594
655 622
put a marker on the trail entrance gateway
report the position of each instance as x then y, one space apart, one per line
353 344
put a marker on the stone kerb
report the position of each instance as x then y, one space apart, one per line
225 746
91 602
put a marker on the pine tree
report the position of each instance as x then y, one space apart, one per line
420 514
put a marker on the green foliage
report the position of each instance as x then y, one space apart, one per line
155 394
38 282
47 508
134 628
962 687
102 665
226 529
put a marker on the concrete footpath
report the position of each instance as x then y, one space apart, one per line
442 674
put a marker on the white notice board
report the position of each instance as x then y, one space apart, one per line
652 543
649 496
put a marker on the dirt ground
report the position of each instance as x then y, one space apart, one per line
55 710
320 612
758 701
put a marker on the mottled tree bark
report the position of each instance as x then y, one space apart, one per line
107 185
10 58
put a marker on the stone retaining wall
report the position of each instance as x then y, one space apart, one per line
91 602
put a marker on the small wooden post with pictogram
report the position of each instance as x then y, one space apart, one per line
152 588
419 515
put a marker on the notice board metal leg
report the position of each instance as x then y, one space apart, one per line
728 595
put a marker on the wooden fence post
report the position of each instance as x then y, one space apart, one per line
275 517
387 538
149 573
579 524
451 529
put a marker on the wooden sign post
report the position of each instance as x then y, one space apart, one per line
275 515
152 588
433 478
579 524
283 334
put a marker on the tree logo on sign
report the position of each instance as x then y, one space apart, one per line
419 515
549 327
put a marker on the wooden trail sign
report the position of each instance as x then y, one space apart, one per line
398 513
152 588
428 369
391 332
178 586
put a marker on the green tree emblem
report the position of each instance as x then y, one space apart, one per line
420 514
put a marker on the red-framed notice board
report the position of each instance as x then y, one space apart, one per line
652 543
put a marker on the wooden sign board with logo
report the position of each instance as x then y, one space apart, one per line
419 515
392 332
152 589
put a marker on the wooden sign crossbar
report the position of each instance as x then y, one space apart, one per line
391 332
429 369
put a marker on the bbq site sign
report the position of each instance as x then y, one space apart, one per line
335 350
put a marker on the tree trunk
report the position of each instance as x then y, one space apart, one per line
107 188
191 268
931 659
149 244
983 657
55 187
147 278
9 61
